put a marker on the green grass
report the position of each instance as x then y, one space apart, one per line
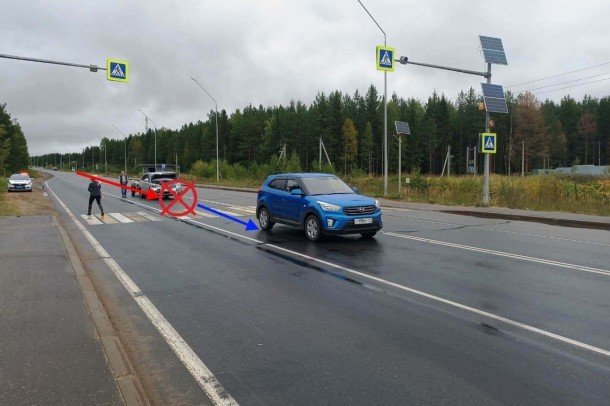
5 208
566 193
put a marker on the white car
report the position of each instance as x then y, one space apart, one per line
20 182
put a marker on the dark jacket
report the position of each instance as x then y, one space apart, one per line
95 188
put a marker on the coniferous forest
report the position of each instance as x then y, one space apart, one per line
547 133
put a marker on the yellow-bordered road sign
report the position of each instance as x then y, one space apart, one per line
488 143
385 58
117 70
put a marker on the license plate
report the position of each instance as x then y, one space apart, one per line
363 221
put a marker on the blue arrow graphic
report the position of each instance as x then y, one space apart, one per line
250 226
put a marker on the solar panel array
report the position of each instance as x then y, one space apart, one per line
402 127
493 51
493 95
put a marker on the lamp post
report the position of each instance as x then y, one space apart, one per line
140 110
125 141
385 112
105 143
216 116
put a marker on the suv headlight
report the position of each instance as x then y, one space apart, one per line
329 207
377 204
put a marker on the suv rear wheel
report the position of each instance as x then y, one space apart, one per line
264 220
312 228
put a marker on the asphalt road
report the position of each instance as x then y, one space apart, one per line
436 309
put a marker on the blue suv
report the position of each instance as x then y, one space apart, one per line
317 202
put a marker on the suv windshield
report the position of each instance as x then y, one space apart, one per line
326 185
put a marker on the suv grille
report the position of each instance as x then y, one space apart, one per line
359 210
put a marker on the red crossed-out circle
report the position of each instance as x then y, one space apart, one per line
178 198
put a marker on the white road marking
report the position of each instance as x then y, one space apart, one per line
149 216
207 381
454 304
91 220
501 253
492 316
487 228
204 214
230 213
120 217
542 236
245 209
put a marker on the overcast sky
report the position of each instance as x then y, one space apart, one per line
270 52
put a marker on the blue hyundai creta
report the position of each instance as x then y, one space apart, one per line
317 202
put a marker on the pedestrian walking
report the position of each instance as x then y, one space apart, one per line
123 181
95 193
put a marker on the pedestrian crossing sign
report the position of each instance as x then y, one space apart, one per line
385 58
488 141
117 71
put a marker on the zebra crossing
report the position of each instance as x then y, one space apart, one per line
144 216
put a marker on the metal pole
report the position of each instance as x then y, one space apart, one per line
385 111
216 107
486 169
125 142
523 158
320 160
92 68
155 125
399 163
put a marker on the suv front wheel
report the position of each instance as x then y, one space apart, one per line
313 230
264 220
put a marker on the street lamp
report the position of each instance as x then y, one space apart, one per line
216 104
140 110
105 156
385 112
125 141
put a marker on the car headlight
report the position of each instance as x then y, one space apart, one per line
377 204
329 207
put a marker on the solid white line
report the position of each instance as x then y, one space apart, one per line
487 228
502 254
454 304
207 381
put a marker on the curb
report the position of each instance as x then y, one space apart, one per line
128 383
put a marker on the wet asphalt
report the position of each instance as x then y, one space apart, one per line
347 321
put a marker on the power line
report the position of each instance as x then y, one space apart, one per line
561 74
568 87
569 81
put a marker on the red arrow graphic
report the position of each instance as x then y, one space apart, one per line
149 196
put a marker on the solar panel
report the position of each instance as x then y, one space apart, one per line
490 90
491 43
493 95
493 51
402 127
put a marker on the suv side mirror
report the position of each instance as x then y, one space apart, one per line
297 191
